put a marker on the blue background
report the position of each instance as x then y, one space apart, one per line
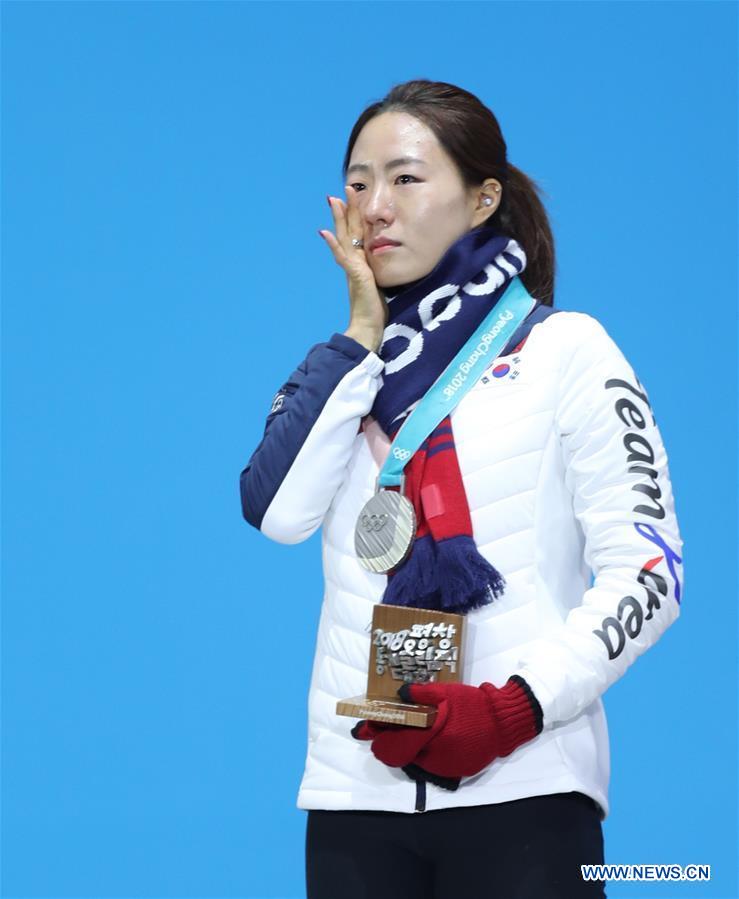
165 170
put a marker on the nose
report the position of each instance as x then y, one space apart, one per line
378 206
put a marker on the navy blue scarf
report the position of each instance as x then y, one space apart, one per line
424 334
430 319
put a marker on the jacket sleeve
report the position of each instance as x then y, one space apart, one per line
295 471
616 471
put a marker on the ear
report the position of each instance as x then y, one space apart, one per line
485 201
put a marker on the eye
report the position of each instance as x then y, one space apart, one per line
358 184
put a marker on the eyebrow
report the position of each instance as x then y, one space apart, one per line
401 160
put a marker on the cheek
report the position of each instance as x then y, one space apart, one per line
436 226
441 216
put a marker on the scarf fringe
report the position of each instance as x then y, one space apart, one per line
468 580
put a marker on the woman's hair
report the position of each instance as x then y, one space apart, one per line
470 134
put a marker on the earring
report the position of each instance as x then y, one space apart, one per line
487 201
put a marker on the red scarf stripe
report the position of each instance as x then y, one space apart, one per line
435 441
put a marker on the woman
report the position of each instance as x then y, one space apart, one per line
550 465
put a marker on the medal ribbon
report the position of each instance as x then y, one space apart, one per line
457 379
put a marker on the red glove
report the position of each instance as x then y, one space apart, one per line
474 726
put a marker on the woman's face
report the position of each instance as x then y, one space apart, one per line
423 205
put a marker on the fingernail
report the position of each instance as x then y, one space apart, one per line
328 199
321 233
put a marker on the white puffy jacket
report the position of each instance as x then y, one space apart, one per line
565 474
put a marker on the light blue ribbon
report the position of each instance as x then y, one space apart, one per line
457 379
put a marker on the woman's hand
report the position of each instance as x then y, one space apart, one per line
473 727
368 314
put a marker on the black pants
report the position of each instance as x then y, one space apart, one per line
524 849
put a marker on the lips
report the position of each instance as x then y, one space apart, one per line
381 243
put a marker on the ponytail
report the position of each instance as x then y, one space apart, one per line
521 215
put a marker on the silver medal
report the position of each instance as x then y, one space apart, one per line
385 529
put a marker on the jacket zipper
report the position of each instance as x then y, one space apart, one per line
420 795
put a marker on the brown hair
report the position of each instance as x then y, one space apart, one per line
471 135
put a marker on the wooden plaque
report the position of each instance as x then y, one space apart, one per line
407 646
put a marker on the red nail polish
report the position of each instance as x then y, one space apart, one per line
321 233
328 200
